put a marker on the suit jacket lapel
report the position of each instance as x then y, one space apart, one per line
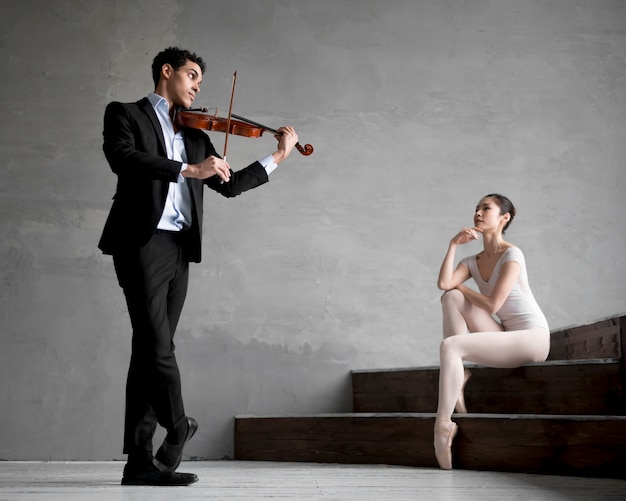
190 150
195 185
149 110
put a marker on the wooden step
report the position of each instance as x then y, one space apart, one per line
589 446
601 339
556 387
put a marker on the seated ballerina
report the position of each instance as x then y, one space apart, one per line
520 335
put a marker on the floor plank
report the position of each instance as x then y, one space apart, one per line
258 480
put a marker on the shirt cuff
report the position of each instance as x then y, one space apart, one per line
268 164
183 168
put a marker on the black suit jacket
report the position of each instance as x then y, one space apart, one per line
135 149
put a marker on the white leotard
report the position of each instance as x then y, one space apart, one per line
520 309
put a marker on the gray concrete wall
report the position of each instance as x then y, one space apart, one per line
415 109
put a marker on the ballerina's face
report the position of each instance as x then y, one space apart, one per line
488 215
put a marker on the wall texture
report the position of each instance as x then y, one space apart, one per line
415 110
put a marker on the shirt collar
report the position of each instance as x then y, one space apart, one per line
158 101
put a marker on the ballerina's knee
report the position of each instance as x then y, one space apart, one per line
453 297
447 348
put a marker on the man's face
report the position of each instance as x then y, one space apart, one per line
183 84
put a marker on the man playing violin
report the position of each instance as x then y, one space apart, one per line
153 232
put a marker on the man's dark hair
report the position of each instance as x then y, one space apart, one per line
176 58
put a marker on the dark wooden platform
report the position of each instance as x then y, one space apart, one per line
591 446
564 416
546 388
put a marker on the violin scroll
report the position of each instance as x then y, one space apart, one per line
306 150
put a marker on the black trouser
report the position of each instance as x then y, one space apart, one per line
154 279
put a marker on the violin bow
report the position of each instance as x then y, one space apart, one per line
230 112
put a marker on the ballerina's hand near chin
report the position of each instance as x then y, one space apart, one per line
466 235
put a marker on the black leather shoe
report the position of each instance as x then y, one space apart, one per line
153 475
169 456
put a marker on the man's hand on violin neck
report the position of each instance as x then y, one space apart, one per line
287 139
209 167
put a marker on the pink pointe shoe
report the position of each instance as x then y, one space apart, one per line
445 431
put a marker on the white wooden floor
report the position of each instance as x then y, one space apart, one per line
247 480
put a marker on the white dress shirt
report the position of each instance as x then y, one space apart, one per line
177 212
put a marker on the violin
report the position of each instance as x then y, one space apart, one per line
199 118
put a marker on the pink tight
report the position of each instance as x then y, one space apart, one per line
486 343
